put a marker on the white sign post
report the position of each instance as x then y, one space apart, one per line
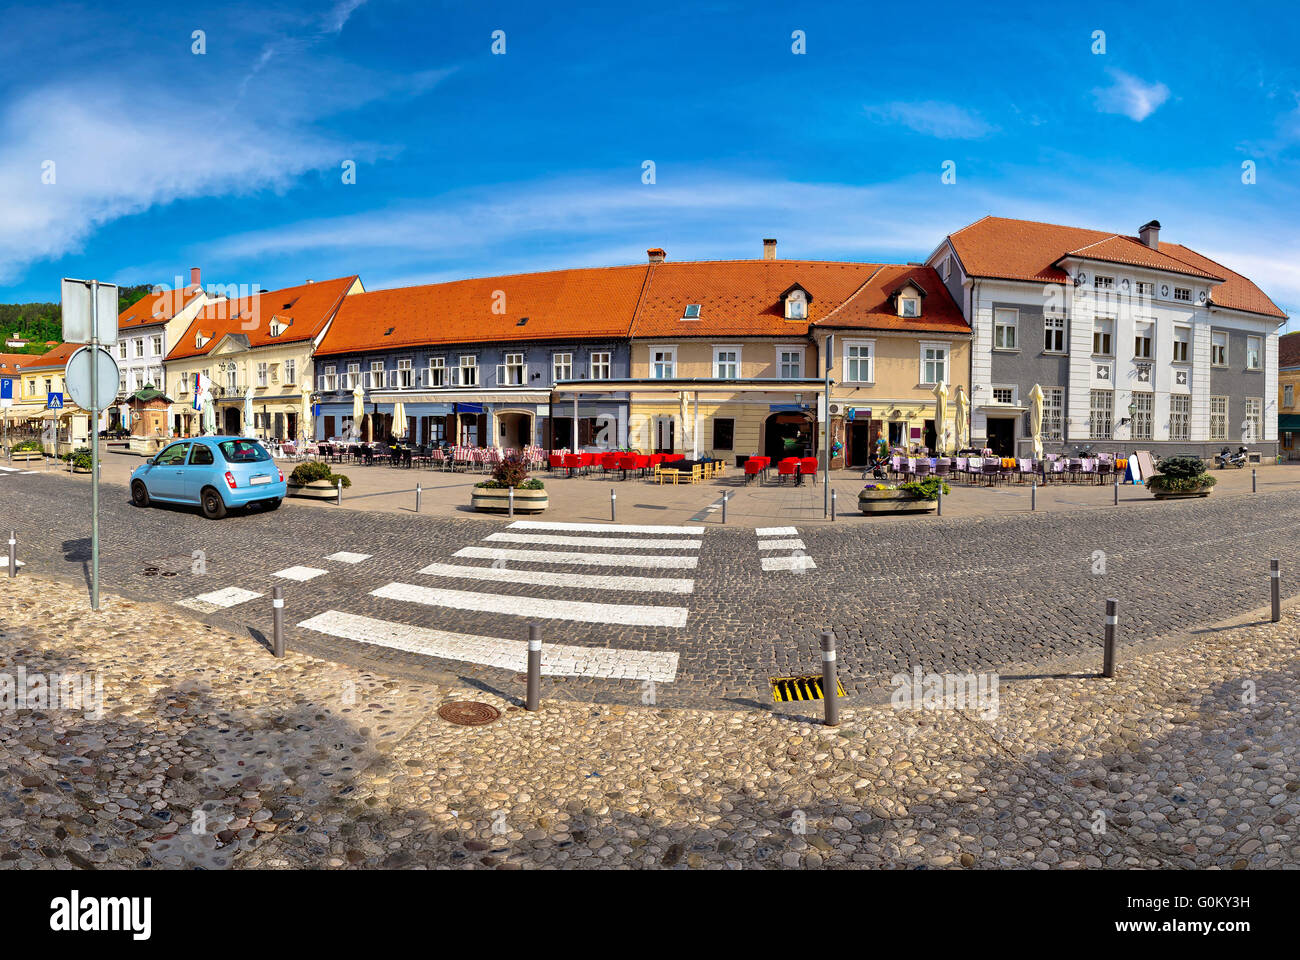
90 316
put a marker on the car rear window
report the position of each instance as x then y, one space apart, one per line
243 451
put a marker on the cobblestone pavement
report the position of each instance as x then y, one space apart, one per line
211 754
411 596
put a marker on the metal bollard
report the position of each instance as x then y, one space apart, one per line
1116 489
1112 626
726 495
511 492
833 494
1033 496
939 501
277 609
1253 473
534 667
13 555
830 685
419 489
339 498
1275 584
613 500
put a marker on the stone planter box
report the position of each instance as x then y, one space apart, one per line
26 455
893 501
1181 494
316 490
490 500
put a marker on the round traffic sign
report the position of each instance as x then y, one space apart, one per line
76 378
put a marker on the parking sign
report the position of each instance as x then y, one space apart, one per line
6 392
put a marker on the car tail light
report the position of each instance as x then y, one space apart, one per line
230 479
282 476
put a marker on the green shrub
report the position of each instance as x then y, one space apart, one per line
81 459
927 489
512 472
28 445
1180 475
314 470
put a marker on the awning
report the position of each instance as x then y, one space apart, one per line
460 396
1288 421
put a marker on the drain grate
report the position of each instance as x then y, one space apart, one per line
787 689
468 713
169 566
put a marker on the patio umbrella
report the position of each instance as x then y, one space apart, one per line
399 420
682 395
358 410
209 414
307 422
248 411
1036 420
963 408
940 417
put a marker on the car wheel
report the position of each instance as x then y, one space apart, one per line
214 508
139 494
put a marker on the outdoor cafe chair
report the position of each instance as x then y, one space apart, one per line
991 469
1026 469
808 465
942 467
1104 469
923 467
789 467
754 467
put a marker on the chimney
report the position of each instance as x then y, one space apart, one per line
769 249
1150 234
656 254
194 278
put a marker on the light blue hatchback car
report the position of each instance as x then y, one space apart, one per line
217 473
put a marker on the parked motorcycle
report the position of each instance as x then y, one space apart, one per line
1226 458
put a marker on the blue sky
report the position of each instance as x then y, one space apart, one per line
470 163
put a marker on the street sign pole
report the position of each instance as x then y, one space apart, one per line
94 446
826 440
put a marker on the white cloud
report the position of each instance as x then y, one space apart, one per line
1130 96
947 121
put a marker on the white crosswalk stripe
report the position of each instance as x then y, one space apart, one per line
547 578
579 559
775 531
219 599
557 659
605 527
794 563
634 615
780 544
562 541
301 574
344 556
783 538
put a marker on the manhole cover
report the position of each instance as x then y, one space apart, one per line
468 713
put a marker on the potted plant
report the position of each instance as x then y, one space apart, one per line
493 496
80 459
28 450
915 496
315 480
1180 477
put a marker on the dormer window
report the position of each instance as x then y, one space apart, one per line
276 328
909 307
796 303
906 299
692 312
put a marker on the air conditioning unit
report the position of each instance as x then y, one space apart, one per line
834 408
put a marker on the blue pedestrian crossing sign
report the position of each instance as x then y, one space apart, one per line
54 401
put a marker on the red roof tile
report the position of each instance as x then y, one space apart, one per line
871 308
561 304
303 310
1288 350
58 357
996 247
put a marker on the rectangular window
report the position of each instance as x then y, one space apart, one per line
934 364
562 366
1054 413
155 344
1102 329
726 363
1103 283
601 366
1180 416
1143 407
1004 394
185 381
663 363
1218 418
121 349
1182 339
511 372
1254 353
139 348
1288 396
232 377
1100 403
121 383
724 433
291 371
859 363
1054 333
1004 329
469 370
437 371
909 307
789 364
404 373
376 374
262 374
1219 348
1142 341
353 376
1145 289
1183 293
1254 425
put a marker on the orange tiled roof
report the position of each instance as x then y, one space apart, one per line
303 310
58 357
740 298
8 361
1000 248
870 307
590 302
155 307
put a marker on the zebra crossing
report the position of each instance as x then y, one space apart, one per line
5 471
773 542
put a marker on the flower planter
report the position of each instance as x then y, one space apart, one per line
26 455
1181 494
893 501
497 500
316 490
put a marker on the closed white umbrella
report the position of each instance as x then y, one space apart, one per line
683 413
209 414
358 410
940 417
399 420
306 422
248 411
1036 420
963 413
